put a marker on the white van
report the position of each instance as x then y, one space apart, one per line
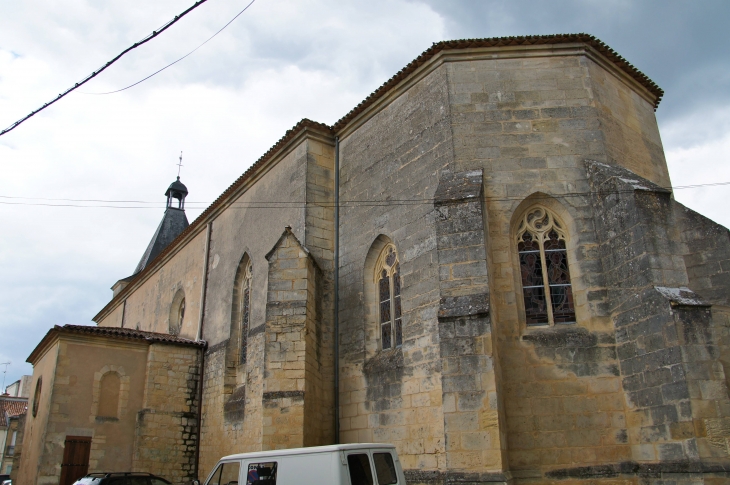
352 464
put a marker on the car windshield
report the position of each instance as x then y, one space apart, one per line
88 481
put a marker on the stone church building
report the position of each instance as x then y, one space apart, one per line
482 263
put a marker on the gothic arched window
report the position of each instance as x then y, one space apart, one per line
245 306
388 287
546 287
37 396
181 313
177 313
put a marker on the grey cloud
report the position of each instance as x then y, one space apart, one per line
681 45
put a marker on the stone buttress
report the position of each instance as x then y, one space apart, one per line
293 387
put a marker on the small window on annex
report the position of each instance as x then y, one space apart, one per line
388 291
109 395
546 288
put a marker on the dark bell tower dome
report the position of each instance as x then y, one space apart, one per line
176 190
173 223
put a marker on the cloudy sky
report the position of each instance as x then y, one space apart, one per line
226 104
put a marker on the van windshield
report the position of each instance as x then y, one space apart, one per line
225 474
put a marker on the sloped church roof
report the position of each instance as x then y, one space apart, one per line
173 223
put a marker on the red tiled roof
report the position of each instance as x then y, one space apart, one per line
437 47
11 407
127 333
115 332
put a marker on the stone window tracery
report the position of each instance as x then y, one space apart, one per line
388 291
546 287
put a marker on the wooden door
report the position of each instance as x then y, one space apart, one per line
75 462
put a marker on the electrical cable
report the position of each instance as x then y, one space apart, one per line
151 36
183 57
297 204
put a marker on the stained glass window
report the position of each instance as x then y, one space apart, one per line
389 300
397 307
245 311
546 287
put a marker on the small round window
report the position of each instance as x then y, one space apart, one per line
37 396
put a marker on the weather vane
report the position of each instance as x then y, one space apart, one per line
179 165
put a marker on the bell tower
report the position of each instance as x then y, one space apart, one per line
178 191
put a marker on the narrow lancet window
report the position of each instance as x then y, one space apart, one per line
245 311
389 299
546 287
181 314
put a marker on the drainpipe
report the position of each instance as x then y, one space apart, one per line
204 286
124 310
198 338
337 290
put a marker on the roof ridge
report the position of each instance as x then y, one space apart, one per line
437 47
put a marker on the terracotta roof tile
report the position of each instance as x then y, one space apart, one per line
126 333
115 332
11 407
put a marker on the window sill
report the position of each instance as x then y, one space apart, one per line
384 360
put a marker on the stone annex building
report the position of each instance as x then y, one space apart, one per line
482 263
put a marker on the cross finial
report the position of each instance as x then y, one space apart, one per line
179 166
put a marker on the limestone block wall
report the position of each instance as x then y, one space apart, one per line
474 420
166 431
668 351
293 386
72 390
706 256
34 468
18 453
528 123
628 124
319 241
222 435
213 441
149 307
390 158
252 225
232 399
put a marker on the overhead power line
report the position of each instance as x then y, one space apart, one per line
183 57
91 76
271 204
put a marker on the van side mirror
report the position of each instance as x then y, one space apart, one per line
195 482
